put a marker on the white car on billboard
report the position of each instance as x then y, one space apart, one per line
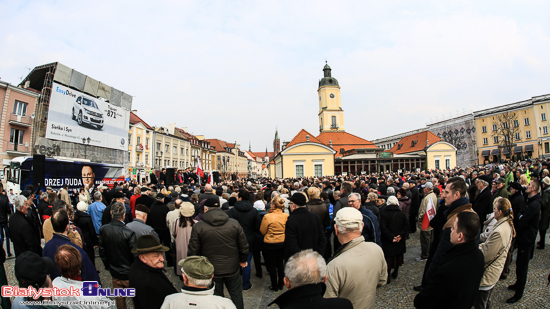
86 111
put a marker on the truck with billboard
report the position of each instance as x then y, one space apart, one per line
59 171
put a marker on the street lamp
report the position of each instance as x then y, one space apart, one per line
86 142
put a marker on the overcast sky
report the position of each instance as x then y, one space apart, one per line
236 70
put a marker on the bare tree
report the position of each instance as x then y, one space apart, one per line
506 129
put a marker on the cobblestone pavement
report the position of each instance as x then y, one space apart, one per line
398 294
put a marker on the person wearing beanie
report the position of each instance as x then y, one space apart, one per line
182 231
304 229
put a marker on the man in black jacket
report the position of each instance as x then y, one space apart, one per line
145 198
222 240
157 220
303 229
21 231
518 204
309 294
249 219
147 274
116 243
526 234
484 201
415 205
455 284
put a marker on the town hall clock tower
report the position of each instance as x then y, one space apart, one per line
331 114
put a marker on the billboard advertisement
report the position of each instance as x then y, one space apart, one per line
74 116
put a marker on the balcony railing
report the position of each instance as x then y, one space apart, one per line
17 149
22 121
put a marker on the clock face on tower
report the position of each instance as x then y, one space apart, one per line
332 95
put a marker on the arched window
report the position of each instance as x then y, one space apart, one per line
333 122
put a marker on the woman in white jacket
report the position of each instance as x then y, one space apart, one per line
495 250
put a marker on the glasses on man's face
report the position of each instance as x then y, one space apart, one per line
351 201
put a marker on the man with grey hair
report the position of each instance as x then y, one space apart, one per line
197 290
20 230
348 275
305 277
116 242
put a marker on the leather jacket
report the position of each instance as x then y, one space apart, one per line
116 242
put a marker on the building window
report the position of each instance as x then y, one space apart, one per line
146 158
138 156
545 130
299 171
166 147
20 108
485 142
494 127
518 137
526 121
484 129
447 163
318 170
181 150
436 164
158 146
146 141
543 116
507 138
175 150
333 122
516 123
495 139
16 136
505 125
129 139
139 140
528 134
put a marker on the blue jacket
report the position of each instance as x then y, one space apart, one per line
88 272
96 211
371 228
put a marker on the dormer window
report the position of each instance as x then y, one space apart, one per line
399 146
414 143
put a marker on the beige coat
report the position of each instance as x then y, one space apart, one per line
64 195
47 230
497 243
423 206
355 272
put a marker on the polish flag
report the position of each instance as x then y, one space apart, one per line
429 215
211 179
199 169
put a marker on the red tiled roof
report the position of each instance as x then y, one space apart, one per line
261 154
301 138
344 140
218 144
135 119
419 140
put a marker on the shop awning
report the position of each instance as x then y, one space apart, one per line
528 148
495 152
518 149
486 153
505 151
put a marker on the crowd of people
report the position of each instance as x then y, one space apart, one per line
327 241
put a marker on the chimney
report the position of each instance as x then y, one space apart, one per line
330 143
307 138
427 143
27 84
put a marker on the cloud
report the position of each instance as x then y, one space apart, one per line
237 70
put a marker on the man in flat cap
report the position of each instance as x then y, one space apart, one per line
147 274
358 267
198 289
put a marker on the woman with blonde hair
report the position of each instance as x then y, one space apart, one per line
273 228
495 250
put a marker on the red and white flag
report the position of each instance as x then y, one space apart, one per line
429 215
200 173
211 179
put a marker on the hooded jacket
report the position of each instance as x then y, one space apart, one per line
249 219
221 239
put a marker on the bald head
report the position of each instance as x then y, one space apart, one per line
208 187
